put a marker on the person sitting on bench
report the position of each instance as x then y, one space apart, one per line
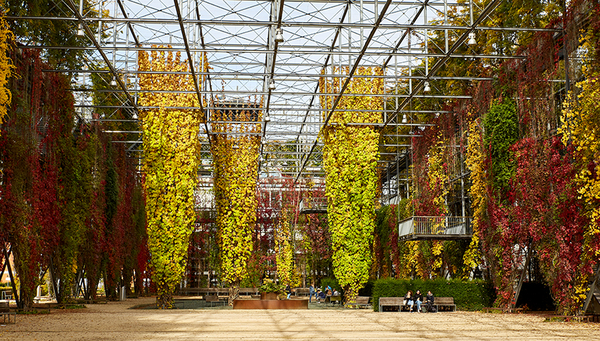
429 302
408 300
418 301
320 296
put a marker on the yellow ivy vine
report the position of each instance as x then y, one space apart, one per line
283 247
235 150
437 179
350 159
475 161
170 165
6 67
581 127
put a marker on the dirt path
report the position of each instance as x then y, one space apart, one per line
114 321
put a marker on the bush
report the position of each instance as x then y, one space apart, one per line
468 295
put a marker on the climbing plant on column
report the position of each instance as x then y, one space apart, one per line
235 161
476 163
316 237
170 165
581 124
350 159
284 248
6 66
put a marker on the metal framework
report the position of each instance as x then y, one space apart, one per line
278 49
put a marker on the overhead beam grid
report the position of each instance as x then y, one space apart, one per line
275 51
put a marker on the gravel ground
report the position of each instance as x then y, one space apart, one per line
115 321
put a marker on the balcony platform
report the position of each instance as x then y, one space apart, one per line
435 228
313 205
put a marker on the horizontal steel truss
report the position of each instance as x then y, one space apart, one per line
360 34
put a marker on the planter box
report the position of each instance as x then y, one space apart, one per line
268 296
270 304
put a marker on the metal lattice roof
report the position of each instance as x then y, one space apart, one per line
239 38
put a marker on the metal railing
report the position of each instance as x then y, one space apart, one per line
440 225
313 204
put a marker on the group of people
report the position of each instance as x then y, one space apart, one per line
321 295
415 302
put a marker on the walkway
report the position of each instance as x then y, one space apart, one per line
114 321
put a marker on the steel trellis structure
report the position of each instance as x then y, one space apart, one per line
277 50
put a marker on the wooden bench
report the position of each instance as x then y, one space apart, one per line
359 302
440 303
392 302
335 299
444 303
302 291
249 291
5 311
212 299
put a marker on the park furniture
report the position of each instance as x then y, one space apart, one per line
441 303
5 311
359 302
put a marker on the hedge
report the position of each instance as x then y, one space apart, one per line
468 295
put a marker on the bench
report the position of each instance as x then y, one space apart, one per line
249 291
392 302
302 291
359 302
444 303
334 299
5 311
212 299
440 303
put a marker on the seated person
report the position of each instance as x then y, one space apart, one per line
418 300
408 300
320 296
429 299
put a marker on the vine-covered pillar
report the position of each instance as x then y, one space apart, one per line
235 158
171 150
350 159
284 248
6 66
580 125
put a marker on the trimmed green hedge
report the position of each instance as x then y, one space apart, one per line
468 295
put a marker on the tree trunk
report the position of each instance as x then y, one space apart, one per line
164 301
234 293
349 295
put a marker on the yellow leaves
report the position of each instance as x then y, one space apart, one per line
350 159
436 175
235 161
581 126
360 84
475 162
6 67
170 164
